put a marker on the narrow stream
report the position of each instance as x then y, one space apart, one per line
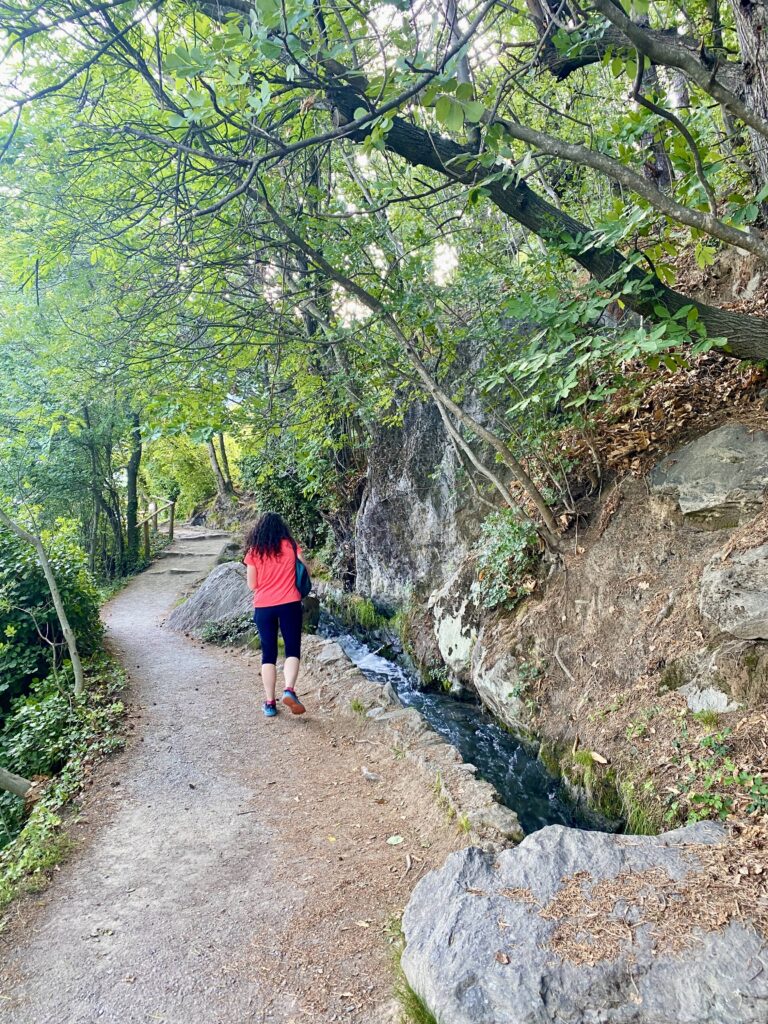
522 781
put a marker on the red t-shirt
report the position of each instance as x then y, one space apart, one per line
275 577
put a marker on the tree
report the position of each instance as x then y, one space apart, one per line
212 116
34 541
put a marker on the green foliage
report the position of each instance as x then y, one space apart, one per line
175 467
279 488
50 732
31 641
26 863
228 632
577 353
507 556
356 611
714 786
414 1009
673 677
362 612
642 809
357 706
707 717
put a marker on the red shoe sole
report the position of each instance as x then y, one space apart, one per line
296 707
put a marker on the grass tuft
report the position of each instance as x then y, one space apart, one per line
707 717
414 1009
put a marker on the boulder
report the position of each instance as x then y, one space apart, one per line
557 929
718 480
721 678
419 515
734 593
223 595
456 620
232 551
745 666
499 685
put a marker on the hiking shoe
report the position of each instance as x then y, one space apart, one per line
270 709
292 701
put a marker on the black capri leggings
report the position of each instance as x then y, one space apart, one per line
289 618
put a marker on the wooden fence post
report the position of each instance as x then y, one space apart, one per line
171 516
146 539
153 514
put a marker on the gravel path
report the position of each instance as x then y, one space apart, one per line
229 869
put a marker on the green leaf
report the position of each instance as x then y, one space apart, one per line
443 107
474 111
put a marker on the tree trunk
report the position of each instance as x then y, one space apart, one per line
93 539
132 487
657 168
221 484
747 335
751 20
58 604
14 783
225 464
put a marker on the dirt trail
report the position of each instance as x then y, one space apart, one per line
230 869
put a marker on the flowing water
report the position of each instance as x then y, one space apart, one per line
522 781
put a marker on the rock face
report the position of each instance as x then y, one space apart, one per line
456 621
734 593
718 479
416 520
223 595
479 936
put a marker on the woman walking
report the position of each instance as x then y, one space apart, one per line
270 557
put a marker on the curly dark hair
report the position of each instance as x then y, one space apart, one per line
266 536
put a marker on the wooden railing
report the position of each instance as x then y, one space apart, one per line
153 512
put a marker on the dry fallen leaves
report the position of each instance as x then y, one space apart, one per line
726 883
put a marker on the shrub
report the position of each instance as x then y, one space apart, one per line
49 732
279 489
507 556
31 641
227 631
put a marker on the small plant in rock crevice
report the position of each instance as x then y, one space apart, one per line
226 632
414 1009
507 558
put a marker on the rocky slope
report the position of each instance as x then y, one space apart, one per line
586 927
655 625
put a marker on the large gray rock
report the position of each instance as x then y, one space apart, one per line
499 684
223 595
456 620
718 479
478 948
734 593
418 515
